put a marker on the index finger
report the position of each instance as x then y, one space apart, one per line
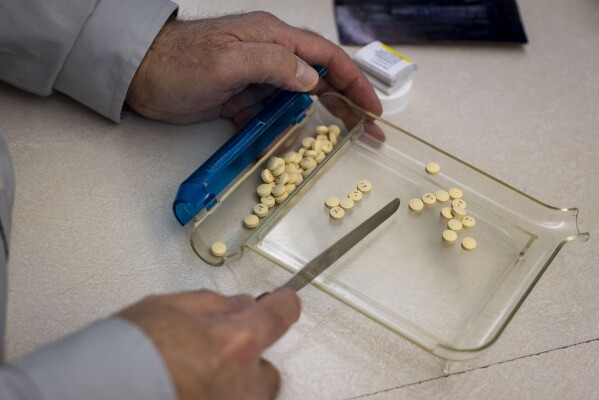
271 317
344 75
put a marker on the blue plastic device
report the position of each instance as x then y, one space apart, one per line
199 191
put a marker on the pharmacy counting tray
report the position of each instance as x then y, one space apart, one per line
451 302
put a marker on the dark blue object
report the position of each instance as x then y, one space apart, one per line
199 191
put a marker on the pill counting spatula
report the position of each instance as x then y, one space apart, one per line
325 259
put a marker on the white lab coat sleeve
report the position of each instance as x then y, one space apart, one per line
110 359
86 49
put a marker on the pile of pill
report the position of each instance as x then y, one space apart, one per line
282 174
338 206
454 213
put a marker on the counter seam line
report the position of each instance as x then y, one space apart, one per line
363 396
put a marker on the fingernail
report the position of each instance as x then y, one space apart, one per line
305 74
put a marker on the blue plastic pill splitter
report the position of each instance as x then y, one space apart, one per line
200 189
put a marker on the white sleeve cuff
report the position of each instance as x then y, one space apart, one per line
108 51
110 359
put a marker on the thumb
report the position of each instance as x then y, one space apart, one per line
276 65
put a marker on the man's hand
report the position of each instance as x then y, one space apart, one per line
212 344
199 70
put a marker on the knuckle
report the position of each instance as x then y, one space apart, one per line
264 17
241 344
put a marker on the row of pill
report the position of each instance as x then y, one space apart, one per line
338 207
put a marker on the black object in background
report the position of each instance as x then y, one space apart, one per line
423 21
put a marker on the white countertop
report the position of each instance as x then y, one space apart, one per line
94 231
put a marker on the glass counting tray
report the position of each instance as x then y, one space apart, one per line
450 302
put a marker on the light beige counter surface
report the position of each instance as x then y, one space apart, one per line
94 231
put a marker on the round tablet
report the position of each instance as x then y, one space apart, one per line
218 249
346 203
251 221
301 153
449 236
289 157
269 201
355 195
279 199
267 176
458 212
468 243
317 146
455 193
291 167
307 163
454 224
364 186
334 129
290 187
468 221
446 213
327 146
261 210
429 199
310 153
320 157
458 203
322 137
283 178
273 163
321 130
432 168
442 196
278 190
331 201
333 138
264 190
307 142
279 169
336 212
307 172
416 205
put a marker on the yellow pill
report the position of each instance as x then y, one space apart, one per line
320 157
364 186
331 201
346 203
327 146
307 172
261 210
468 221
283 179
333 138
416 205
218 249
468 243
251 221
279 169
279 199
334 129
455 193
442 196
273 163
301 153
454 224
264 190
290 187
321 130
458 203
291 167
310 153
336 212
432 168
355 195
429 199
317 146
289 157
458 212
307 163
322 137
278 190
269 201
446 213
267 176
449 236
307 142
